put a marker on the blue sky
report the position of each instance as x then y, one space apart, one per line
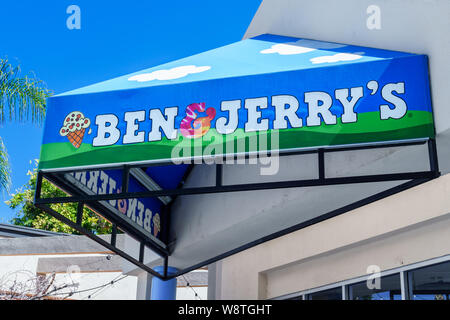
116 38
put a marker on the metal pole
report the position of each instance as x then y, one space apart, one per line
219 175
433 156
321 158
80 213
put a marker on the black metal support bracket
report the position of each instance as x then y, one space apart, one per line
93 201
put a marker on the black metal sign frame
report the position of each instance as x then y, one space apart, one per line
165 248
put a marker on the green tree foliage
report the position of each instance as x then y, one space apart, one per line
21 98
5 167
30 216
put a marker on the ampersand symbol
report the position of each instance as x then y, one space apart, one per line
122 203
192 127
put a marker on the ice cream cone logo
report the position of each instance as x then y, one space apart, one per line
74 128
156 225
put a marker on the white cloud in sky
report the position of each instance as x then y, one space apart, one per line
169 74
301 46
337 57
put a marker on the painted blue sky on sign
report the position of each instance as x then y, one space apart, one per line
259 55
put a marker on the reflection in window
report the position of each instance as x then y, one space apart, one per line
430 283
331 294
388 289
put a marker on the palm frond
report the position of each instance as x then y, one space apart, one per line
21 98
5 168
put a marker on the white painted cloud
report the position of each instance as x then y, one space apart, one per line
337 58
169 74
301 46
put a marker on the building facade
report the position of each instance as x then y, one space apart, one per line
394 248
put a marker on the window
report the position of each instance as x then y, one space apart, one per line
331 294
430 283
389 289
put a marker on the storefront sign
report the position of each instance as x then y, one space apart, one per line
380 96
